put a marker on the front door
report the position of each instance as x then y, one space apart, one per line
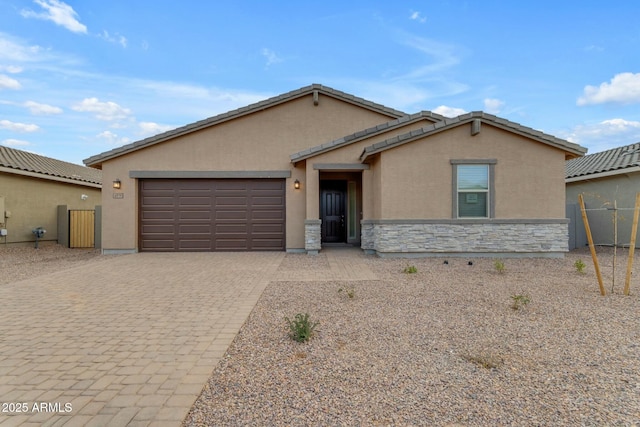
332 211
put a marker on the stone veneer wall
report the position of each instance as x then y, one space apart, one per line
465 236
312 235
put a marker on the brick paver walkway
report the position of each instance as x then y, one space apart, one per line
130 340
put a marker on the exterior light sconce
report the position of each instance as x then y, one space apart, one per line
117 184
296 184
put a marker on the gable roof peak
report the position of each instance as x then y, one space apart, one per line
239 112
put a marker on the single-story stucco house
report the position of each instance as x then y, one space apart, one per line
32 190
606 180
317 166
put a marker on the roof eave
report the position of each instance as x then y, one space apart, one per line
96 160
603 174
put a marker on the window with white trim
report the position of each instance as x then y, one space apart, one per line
473 191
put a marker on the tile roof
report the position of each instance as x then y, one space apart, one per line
616 159
267 103
48 168
569 147
349 139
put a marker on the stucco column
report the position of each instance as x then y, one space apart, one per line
312 223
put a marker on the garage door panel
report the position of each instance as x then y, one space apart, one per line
204 229
234 215
158 215
200 215
194 201
267 201
223 244
194 244
267 228
158 201
158 229
267 215
232 201
238 228
212 214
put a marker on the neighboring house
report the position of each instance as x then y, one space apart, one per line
31 189
317 166
607 179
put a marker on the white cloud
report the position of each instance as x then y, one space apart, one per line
13 49
150 128
605 134
416 16
14 143
7 82
42 109
108 111
116 38
442 55
58 12
113 138
624 88
443 110
11 69
493 105
18 127
272 57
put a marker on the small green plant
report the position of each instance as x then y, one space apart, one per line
499 265
350 292
410 269
301 328
519 301
484 360
579 265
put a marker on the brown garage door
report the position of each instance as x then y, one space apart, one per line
212 214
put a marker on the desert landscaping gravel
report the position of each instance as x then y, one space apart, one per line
439 347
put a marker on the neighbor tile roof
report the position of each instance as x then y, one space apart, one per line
349 139
517 128
19 160
98 159
611 160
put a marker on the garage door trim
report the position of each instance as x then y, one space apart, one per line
208 174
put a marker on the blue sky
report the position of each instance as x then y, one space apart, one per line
78 78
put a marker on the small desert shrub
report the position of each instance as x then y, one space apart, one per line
484 360
579 265
301 328
410 269
350 292
519 301
499 265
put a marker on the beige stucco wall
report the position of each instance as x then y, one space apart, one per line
33 203
260 141
416 178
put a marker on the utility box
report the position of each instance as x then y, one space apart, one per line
3 232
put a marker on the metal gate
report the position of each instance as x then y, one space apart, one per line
81 228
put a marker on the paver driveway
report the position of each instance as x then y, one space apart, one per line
129 340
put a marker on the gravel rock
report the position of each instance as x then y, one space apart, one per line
441 347
24 262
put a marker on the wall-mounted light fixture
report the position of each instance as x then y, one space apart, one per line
117 184
296 184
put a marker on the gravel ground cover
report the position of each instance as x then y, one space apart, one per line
441 347
24 262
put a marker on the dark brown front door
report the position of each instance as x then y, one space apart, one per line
332 211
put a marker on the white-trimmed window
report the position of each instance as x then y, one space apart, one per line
473 188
